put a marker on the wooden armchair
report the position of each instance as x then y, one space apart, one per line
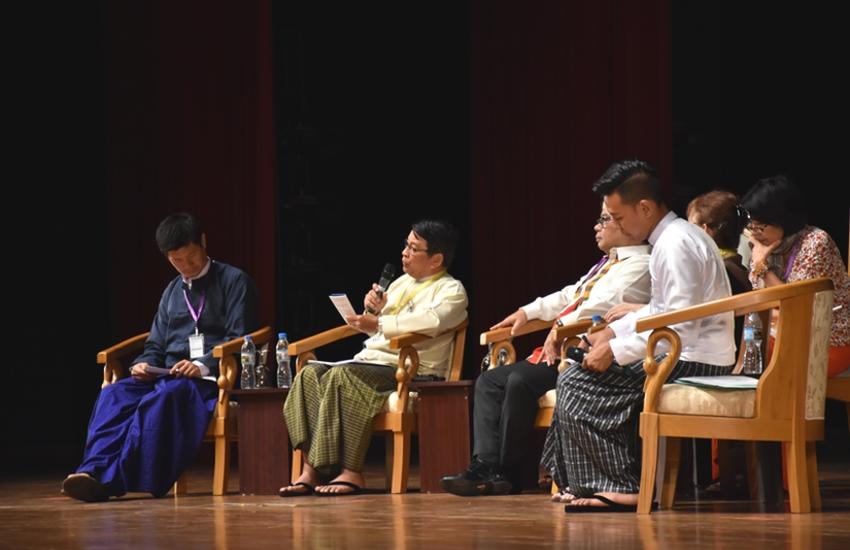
398 418
500 342
787 406
222 427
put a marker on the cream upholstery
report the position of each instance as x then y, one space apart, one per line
819 355
547 400
681 399
391 405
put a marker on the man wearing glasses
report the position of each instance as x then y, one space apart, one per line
506 397
589 444
329 411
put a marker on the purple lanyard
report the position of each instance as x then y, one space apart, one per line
197 315
791 258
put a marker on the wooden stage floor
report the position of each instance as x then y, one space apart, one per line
34 515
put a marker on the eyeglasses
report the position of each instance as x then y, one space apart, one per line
604 219
413 250
756 228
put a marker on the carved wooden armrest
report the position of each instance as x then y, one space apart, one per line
113 358
303 349
407 353
225 353
501 338
228 367
657 374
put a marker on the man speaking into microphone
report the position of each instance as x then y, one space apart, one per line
329 410
387 276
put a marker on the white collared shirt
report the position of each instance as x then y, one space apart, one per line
627 280
686 270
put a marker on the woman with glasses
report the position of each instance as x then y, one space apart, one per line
785 249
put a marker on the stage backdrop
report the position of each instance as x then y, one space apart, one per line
559 91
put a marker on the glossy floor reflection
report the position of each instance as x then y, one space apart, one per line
34 515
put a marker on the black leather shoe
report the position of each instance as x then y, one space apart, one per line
84 487
479 478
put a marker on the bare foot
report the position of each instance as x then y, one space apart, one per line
304 485
564 495
337 486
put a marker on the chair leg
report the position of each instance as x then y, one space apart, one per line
180 486
671 471
388 461
297 464
401 461
812 470
221 470
798 477
649 434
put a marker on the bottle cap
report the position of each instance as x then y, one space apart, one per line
281 335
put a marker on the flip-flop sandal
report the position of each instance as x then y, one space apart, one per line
355 489
286 494
611 507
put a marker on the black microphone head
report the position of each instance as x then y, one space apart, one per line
387 276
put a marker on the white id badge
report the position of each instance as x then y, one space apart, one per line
196 346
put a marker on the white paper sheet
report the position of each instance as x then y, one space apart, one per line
342 305
729 382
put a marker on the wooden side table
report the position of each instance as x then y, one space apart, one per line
264 449
443 425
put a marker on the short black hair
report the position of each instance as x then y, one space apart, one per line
633 180
777 201
441 237
178 230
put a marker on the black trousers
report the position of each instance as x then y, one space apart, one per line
505 408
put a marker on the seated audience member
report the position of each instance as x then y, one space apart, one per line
719 215
785 249
146 428
329 410
589 447
506 397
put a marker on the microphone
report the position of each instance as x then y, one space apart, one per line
387 276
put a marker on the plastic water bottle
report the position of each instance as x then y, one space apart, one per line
752 365
753 319
249 359
281 353
260 367
595 323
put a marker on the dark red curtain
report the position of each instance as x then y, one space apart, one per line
559 91
188 94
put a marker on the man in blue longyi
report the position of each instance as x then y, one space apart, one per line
146 428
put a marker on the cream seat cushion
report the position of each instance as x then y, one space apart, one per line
682 399
391 404
547 400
